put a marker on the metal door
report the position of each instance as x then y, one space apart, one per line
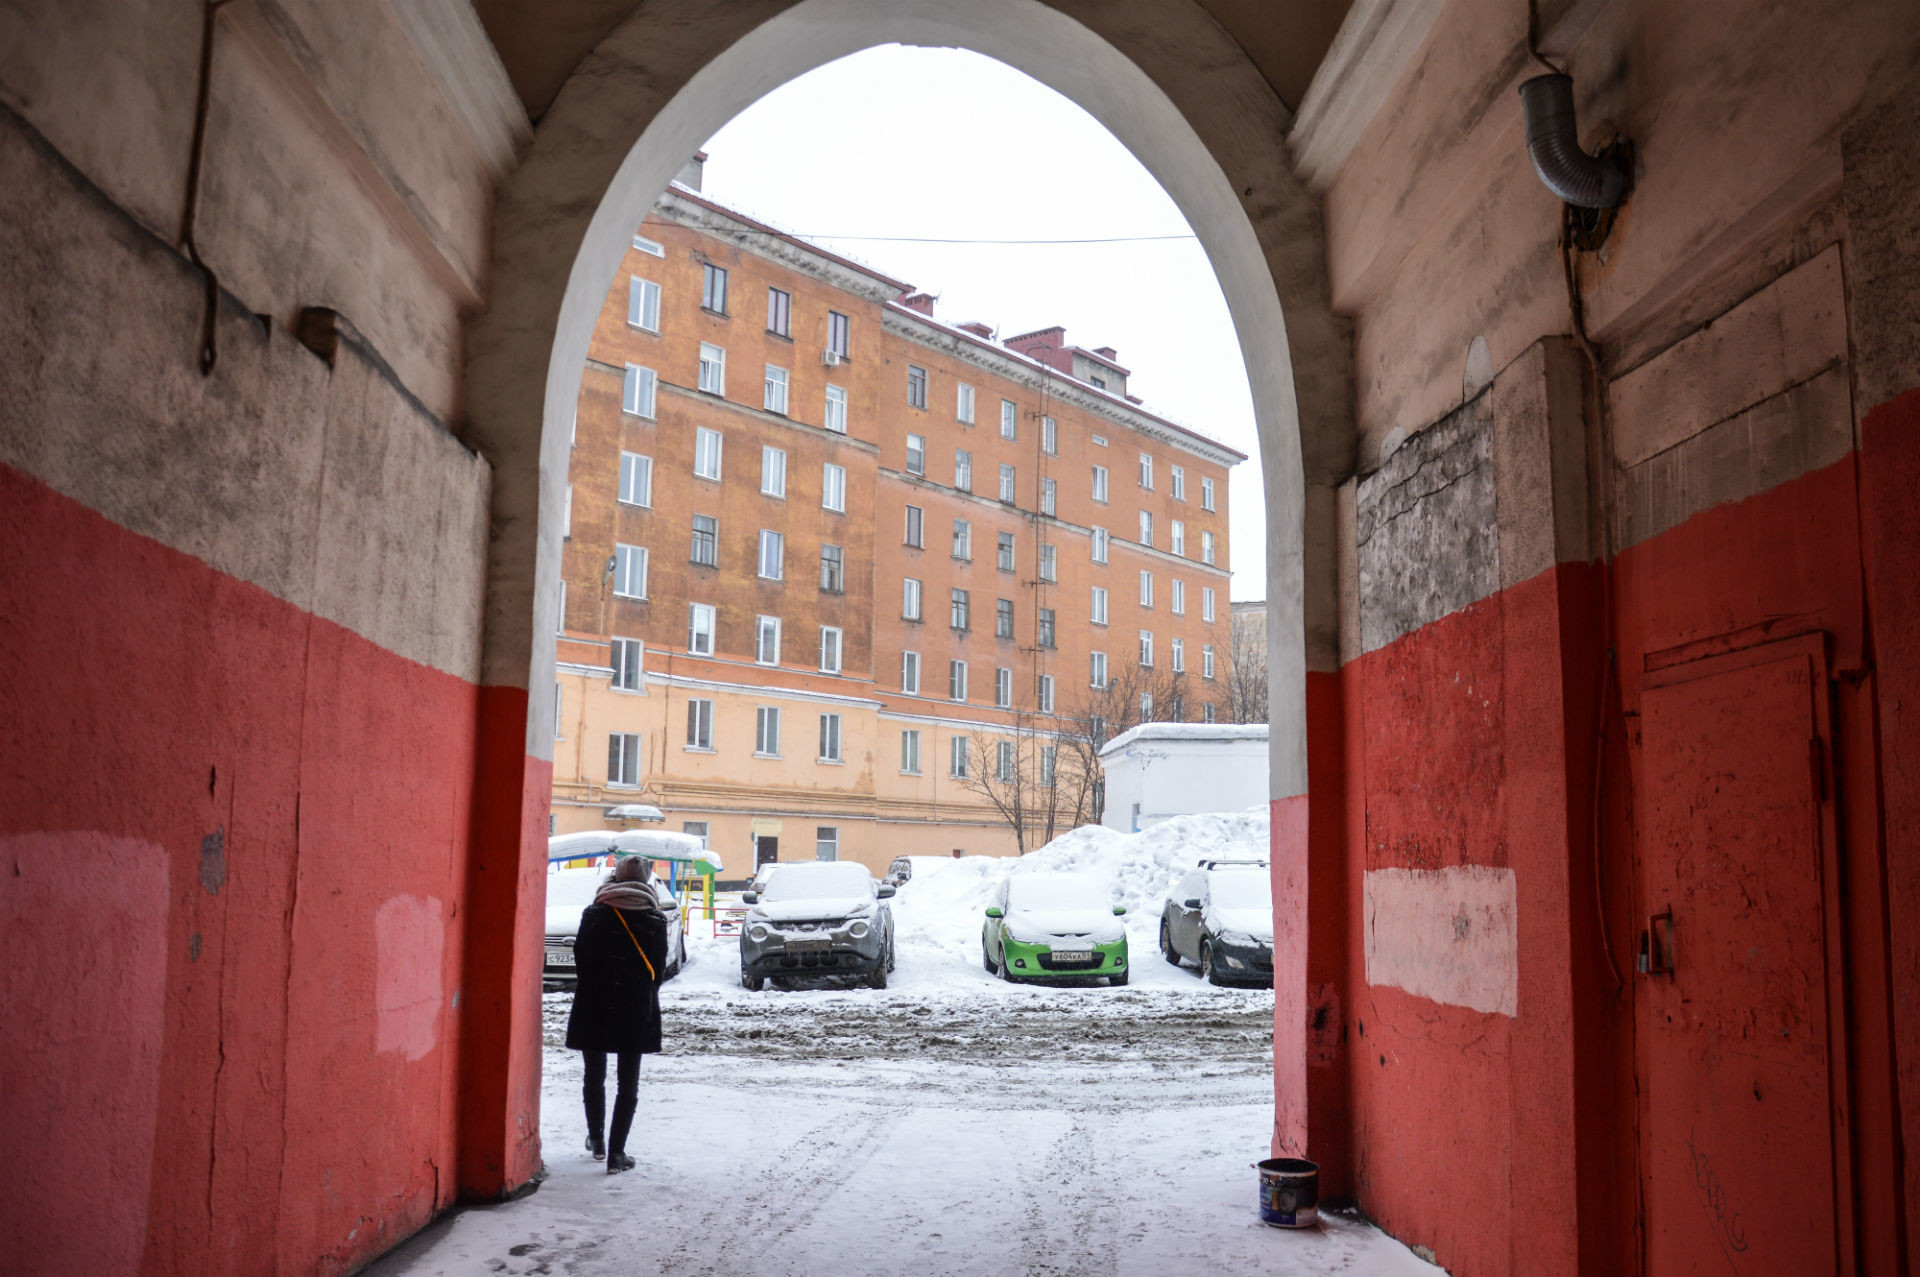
766 850
1743 1128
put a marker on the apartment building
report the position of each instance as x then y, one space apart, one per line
828 559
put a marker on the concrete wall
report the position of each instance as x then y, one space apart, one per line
1152 779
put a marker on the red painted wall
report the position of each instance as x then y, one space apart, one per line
257 821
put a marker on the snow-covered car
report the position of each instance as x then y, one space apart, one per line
1220 916
900 871
1054 926
760 876
569 892
818 918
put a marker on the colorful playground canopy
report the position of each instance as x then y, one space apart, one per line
654 844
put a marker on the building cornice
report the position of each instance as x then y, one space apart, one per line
762 690
684 208
1369 54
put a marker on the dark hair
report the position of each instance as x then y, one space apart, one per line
630 869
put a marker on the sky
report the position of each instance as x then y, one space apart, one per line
947 144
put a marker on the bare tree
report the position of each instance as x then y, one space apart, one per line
1032 778
1242 695
1133 695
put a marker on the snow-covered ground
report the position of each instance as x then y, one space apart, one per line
950 1123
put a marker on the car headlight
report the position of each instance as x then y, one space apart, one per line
757 932
858 929
1233 961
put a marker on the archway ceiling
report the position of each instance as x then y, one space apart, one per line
541 41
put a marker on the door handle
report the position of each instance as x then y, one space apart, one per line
1656 945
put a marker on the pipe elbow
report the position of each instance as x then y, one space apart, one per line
1553 143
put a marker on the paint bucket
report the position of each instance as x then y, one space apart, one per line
1289 1192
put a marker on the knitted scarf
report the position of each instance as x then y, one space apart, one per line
634 897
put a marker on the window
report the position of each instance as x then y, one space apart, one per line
1100 484
916 386
706 453
1049 563
962 539
1206 660
910 599
643 304
910 752
1009 420
1177 483
713 288
956 680
626 656
706 540
559 717
1206 712
1146 472
837 327
560 612
1206 547
636 479
623 760
775 397
1049 496
1098 441
963 470
1045 627
1177 597
916 454
963 403
766 731
1003 687
959 616
836 416
1099 540
713 369
1146 706
1206 494
1146 647
773 471
1050 436
766 640
1005 557
1048 755
1003 619
829 738
1146 588
832 569
1099 616
773 554
566 516
700 622
1146 527
958 748
910 673
916 525
1098 671
1043 697
699 724
1206 603
833 487
1007 484
1176 536
826 841
1003 761
779 312
637 391
630 571
645 245
829 649
1177 656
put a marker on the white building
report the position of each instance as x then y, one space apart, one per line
1158 770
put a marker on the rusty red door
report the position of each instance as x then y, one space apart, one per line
1741 1126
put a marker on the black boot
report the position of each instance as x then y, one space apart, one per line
596 1146
617 1162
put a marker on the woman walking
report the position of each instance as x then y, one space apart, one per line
620 951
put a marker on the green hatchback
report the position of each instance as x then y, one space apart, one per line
1054 926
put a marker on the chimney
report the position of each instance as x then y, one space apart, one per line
977 328
1106 352
922 302
1044 345
691 172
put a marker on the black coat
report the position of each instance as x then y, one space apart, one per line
616 1004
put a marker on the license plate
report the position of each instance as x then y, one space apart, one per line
560 957
808 946
1073 955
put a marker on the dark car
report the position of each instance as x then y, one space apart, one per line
817 918
900 871
1220 917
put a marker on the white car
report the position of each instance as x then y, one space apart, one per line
569 892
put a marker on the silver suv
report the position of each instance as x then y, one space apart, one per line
820 918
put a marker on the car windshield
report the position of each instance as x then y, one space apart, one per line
1241 888
819 882
573 888
1055 891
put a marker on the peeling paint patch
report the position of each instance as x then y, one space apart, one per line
1448 935
410 946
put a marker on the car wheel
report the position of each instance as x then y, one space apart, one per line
1167 950
1006 968
1117 979
755 983
878 980
1209 972
986 955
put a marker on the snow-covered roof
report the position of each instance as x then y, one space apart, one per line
1186 732
635 811
654 844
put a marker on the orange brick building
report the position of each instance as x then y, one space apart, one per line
827 557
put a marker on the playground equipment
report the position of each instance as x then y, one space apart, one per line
685 856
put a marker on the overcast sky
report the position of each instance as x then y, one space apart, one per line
945 144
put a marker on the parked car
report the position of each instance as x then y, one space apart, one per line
1054 926
759 884
900 871
1220 916
569 892
818 918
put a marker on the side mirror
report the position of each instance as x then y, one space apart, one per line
749 897
886 890
994 911
1191 902
1118 910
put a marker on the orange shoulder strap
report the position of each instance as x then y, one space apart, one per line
636 945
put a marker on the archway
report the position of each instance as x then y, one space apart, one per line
1171 85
